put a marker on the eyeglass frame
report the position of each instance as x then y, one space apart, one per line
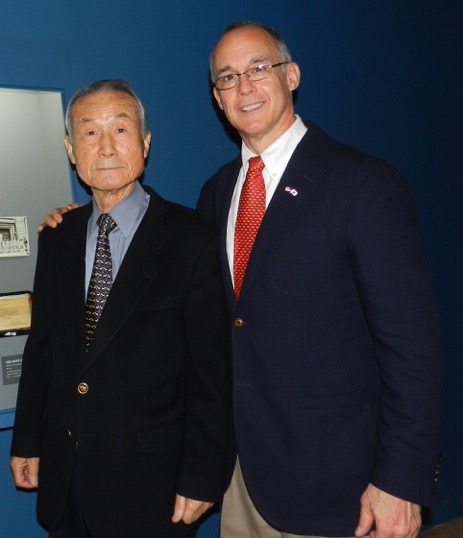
237 75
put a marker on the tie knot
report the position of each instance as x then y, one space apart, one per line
256 165
105 223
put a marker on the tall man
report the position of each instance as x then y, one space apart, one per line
121 420
335 346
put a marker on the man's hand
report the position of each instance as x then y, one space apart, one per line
54 217
25 472
189 510
385 516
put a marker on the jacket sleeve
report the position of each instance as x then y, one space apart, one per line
394 284
206 382
36 367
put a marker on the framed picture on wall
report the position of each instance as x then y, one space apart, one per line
15 313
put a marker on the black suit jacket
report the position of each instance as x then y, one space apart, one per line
154 420
336 353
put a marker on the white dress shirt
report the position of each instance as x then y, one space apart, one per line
276 158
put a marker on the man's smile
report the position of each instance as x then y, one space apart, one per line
251 108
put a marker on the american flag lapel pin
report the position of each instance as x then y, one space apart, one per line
291 191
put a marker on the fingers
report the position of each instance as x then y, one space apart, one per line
390 516
25 472
53 219
189 510
179 508
366 520
55 216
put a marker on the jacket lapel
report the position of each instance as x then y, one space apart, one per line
135 275
224 207
300 179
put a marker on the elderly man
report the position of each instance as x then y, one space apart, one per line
121 418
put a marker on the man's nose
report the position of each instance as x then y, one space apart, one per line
245 84
107 146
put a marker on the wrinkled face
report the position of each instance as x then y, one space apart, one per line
107 148
261 111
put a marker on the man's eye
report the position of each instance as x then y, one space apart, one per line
260 68
229 78
121 130
90 133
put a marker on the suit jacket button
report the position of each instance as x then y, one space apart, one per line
238 323
82 388
69 433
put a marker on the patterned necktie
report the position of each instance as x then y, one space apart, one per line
101 279
251 210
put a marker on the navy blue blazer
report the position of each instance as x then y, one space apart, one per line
335 341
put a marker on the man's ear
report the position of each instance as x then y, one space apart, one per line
68 145
293 75
147 142
216 93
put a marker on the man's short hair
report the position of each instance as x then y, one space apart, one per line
280 45
109 85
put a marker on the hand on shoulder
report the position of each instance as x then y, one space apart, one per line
54 217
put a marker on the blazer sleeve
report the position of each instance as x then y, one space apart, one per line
36 367
394 284
205 382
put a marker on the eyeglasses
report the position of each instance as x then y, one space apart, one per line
260 72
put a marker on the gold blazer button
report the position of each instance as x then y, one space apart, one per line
238 323
83 388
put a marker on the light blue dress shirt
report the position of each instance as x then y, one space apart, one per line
127 215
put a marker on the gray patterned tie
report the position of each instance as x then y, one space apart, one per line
101 279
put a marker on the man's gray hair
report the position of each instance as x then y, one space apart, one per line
109 85
282 48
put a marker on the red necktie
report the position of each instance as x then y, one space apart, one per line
251 210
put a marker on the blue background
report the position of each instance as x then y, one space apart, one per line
382 75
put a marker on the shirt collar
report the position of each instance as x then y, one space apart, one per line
125 212
285 144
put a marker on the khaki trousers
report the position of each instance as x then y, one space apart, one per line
240 519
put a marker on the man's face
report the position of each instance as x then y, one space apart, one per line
261 111
107 148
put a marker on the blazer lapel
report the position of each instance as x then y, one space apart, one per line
136 273
229 182
296 186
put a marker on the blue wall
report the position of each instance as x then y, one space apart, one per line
382 75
